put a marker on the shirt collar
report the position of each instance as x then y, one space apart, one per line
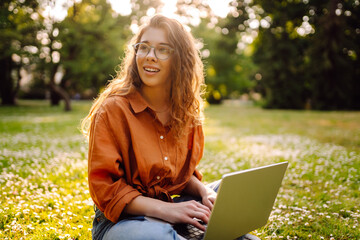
137 102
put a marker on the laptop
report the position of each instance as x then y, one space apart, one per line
244 203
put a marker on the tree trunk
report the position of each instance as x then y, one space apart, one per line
54 98
58 90
7 90
61 92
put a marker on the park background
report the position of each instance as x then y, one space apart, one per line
282 84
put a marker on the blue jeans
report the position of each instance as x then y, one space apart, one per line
136 227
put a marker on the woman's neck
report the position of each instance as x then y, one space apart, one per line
157 98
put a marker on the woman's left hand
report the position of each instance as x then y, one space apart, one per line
197 188
208 199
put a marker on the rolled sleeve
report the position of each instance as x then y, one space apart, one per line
198 174
107 181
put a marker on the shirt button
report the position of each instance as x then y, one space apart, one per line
158 177
161 137
165 158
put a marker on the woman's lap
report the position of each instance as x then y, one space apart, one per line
139 228
136 227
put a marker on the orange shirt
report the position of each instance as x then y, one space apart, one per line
132 153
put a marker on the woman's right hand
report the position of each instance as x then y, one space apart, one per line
185 212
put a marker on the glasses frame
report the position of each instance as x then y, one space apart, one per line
150 47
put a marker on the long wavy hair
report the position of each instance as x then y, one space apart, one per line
186 75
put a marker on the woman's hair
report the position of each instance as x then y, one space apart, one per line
186 75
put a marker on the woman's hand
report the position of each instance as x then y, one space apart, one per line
196 188
208 198
185 212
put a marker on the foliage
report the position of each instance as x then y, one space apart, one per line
228 73
297 54
312 47
93 42
19 23
140 9
336 45
284 80
43 166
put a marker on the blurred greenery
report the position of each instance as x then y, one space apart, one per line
281 54
313 48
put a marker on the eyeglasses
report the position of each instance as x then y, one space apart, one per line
162 52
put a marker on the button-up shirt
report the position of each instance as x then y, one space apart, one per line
132 153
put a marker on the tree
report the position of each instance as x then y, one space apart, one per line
335 52
48 64
233 64
141 8
93 40
309 55
280 55
229 72
19 25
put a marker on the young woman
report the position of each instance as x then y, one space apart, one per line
146 138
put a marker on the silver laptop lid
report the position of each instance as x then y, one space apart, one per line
244 202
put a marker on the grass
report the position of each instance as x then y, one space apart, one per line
43 169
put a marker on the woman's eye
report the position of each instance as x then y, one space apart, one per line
163 49
143 47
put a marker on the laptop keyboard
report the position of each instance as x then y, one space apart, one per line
189 231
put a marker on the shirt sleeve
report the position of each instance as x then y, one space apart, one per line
107 184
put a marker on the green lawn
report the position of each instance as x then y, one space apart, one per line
43 168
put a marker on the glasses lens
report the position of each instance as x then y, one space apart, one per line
163 52
142 49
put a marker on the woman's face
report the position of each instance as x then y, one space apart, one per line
153 71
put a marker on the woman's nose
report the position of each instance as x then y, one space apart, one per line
151 55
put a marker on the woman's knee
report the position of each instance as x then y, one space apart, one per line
159 231
139 230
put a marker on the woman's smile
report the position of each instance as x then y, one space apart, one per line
151 69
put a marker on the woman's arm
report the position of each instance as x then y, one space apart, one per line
196 188
104 165
183 212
